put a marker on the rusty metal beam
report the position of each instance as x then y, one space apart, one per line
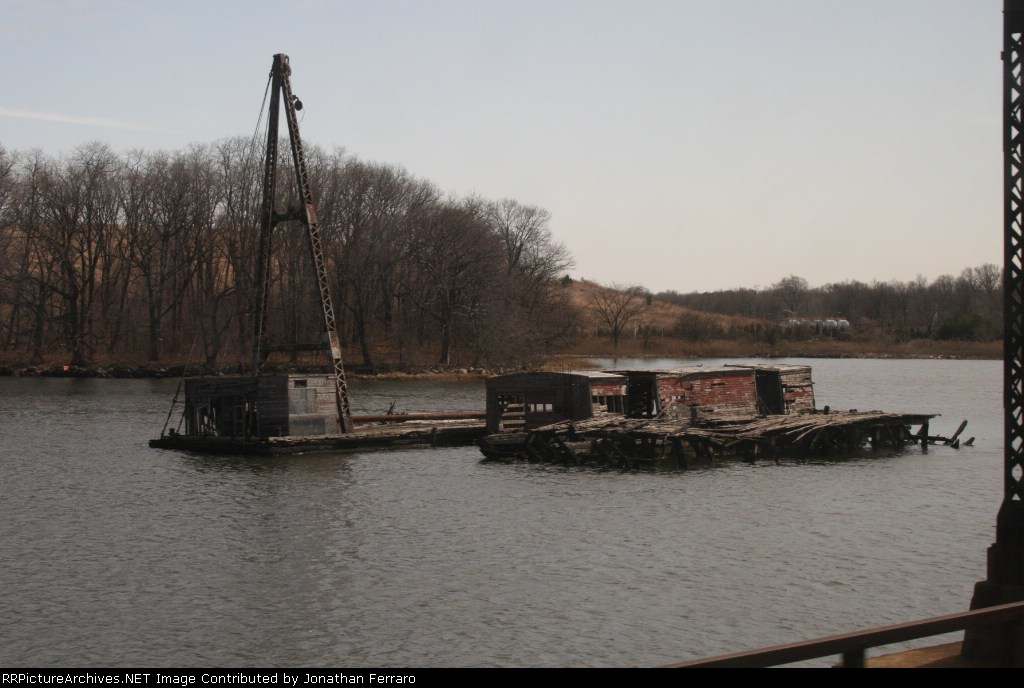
1011 526
267 222
1005 582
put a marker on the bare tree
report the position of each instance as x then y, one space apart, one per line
237 169
8 249
529 248
28 274
616 305
457 259
792 292
165 237
80 211
367 212
7 185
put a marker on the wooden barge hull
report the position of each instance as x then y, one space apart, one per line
411 434
623 442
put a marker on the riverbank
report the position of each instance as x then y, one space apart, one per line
578 358
785 348
124 371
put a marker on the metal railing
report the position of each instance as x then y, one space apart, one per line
852 647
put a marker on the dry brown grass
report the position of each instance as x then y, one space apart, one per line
664 317
601 347
582 294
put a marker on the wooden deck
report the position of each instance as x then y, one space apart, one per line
618 441
450 433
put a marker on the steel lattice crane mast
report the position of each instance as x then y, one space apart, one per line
1005 582
280 74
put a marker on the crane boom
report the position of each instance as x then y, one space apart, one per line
280 75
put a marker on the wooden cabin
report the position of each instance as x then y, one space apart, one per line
268 406
529 400
706 393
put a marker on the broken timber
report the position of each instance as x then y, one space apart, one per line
411 433
626 442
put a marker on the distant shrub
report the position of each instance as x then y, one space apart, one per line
959 326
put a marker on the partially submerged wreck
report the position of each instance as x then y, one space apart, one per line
628 417
617 418
524 401
263 413
287 414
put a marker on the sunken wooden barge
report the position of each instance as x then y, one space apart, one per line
615 418
402 434
291 414
689 415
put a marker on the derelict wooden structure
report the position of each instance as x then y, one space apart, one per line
526 400
692 413
627 442
260 407
529 400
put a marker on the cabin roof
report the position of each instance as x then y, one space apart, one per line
591 375
781 367
621 375
599 375
686 371
711 371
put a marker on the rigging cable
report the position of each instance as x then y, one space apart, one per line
249 162
259 120
177 392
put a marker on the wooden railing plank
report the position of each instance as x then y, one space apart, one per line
861 640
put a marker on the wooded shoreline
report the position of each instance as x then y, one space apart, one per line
118 264
129 370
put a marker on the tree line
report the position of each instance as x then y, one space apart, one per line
152 255
966 307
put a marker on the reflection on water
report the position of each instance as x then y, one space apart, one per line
122 555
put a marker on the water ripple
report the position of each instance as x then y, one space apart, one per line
120 555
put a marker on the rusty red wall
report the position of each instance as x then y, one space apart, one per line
607 389
712 392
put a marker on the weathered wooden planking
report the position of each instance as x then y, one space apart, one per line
643 438
440 434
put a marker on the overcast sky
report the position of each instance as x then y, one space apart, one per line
690 145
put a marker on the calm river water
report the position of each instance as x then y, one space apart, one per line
118 554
